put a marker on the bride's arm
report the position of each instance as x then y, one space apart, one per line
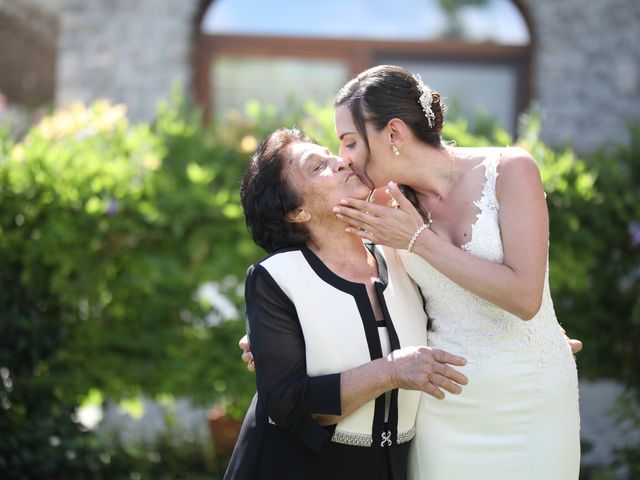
516 285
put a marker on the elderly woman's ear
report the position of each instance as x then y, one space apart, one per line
298 216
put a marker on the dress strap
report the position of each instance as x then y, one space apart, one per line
489 199
488 202
491 170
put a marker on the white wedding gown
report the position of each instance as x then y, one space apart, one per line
518 417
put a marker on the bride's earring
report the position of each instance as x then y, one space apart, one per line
395 150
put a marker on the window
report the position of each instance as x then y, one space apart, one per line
275 81
476 53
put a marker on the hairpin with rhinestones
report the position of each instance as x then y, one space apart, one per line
425 100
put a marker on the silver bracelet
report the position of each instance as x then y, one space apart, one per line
420 229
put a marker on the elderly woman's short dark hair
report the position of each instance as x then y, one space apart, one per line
267 196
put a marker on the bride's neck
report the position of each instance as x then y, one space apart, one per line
427 169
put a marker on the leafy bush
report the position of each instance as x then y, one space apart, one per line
107 232
112 238
110 235
606 237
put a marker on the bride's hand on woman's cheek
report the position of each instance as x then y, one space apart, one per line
381 196
384 225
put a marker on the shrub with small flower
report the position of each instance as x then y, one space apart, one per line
107 232
123 251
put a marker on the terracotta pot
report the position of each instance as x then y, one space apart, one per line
224 431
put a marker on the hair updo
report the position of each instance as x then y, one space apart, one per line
385 92
382 93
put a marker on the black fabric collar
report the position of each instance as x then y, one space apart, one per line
326 274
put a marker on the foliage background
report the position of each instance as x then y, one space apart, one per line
108 232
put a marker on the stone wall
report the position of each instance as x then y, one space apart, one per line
586 72
128 51
587 69
28 46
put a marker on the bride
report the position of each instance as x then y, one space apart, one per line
472 227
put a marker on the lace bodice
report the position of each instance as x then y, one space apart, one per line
466 324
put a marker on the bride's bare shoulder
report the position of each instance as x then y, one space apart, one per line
517 167
508 153
510 161
518 159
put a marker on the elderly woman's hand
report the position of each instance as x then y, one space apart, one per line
247 356
384 225
426 369
575 345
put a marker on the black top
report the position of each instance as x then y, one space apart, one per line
279 437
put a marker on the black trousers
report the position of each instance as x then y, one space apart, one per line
267 452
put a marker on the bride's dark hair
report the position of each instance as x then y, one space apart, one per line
382 93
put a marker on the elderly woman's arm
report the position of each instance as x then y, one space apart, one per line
293 399
288 394
412 368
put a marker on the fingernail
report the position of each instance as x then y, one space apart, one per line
336 209
348 230
343 201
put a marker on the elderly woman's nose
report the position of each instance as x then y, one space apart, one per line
341 163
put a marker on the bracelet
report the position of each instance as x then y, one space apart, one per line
420 229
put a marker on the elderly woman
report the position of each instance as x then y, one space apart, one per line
337 329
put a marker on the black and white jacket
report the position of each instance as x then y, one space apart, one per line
306 326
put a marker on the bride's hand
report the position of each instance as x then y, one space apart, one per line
389 226
381 196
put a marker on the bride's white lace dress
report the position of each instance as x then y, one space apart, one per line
518 418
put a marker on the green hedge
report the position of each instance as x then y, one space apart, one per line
108 230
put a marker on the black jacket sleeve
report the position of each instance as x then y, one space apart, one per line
289 395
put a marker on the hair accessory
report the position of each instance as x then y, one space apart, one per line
396 152
420 229
425 100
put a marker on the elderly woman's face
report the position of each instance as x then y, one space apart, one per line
321 179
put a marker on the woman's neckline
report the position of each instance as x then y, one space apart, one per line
338 281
